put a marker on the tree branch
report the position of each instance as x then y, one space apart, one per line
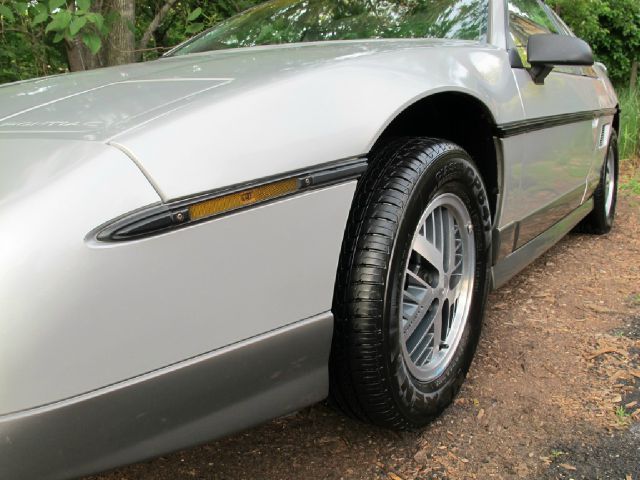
155 23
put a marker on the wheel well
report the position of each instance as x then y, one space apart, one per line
459 118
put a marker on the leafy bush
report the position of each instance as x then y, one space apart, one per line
612 28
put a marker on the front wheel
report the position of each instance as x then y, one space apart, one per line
412 284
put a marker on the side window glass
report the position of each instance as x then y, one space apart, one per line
526 18
564 29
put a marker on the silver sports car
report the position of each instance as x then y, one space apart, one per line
310 199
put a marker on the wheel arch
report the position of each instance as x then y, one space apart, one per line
459 117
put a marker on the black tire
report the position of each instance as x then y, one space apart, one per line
369 378
600 220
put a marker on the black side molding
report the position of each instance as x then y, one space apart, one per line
525 126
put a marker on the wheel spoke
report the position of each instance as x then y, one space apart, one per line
437 329
438 282
427 351
454 294
414 321
415 278
428 329
457 265
421 341
411 295
428 251
451 244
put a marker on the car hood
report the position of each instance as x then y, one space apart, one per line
199 122
100 104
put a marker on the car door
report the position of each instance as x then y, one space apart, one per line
558 137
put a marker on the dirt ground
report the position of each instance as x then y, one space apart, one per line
554 392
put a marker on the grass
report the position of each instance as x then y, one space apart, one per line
622 415
630 177
630 140
629 123
632 185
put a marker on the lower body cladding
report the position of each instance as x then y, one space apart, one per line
182 405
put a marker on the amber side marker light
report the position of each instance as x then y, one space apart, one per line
161 218
233 201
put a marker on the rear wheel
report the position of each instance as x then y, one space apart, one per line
605 198
412 284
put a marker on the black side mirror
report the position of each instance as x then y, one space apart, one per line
545 51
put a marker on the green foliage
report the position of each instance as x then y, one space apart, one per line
194 15
7 14
193 26
629 123
622 415
612 27
66 21
23 54
632 186
33 35
76 21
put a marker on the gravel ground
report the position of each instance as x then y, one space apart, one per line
554 392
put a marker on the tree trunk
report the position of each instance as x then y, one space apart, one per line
633 84
153 26
121 41
79 57
74 57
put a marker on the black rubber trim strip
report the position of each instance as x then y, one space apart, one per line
161 218
525 126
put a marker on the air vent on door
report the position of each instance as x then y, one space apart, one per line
604 135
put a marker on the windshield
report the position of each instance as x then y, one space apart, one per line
292 21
